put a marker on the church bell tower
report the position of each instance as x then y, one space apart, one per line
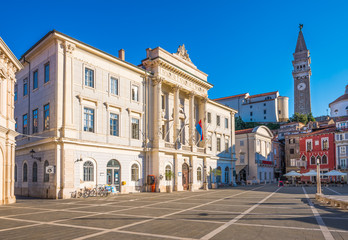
301 74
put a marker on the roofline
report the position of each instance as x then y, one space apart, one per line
12 56
233 96
78 42
222 106
263 94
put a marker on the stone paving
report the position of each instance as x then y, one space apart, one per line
250 212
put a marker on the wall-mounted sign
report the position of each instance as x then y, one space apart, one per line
49 169
179 174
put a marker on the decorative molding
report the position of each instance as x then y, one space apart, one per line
69 47
182 52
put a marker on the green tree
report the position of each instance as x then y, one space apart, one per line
298 117
310 117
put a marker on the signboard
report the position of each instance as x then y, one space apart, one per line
179 174
49 169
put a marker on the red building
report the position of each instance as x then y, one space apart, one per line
319 144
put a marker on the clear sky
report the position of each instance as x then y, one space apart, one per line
244 46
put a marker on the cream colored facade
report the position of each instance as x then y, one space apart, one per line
9 65
254 154
81 142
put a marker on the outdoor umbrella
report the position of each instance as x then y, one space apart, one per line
311 173
334 173
293 174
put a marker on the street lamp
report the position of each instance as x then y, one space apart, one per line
318 177
32 152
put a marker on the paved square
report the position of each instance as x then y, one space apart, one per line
250 212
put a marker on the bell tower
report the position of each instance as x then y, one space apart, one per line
301 74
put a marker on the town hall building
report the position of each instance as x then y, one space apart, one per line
88 118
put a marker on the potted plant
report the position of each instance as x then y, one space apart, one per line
168 175
216 173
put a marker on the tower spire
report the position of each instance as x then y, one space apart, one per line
301 44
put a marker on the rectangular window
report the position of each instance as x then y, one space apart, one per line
210 142
325 144
47 72
226 122
135 93
241 143
227 148
163 97
35 80
163 131
309 145
35 121
114 85
25 124
251 113
135 128
292 151
241 158
218 144
25 87
89 77
114 127
88 125
218 120
264 111
16 124
209 117
47 117
16 92
343 151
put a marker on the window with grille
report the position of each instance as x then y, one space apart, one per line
88 120
114 124
114 85
135 128
168 173
135 172
199 174
35 121
47 117
88 171
89 77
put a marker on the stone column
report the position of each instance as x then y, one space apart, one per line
176 170
205 174
176 123
191 119
157 84
202 116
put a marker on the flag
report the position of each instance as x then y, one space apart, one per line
200 129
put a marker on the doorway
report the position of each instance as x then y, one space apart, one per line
113 174
185 176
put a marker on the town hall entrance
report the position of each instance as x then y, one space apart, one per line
185 176
113 174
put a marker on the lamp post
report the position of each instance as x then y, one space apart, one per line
318 177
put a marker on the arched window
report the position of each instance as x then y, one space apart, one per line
25 172
218 175
135 172
313 160
303 158
34 172
199 174
227 175
88 171
46 175
168 173
15 174
324 160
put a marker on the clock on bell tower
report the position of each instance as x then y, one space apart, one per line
301 74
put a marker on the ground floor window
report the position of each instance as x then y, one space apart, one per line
25 172
227 175
168 173
88 171
46 175
135 172
199 174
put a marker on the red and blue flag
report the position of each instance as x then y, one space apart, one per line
200 129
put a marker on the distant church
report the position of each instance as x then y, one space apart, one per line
302 73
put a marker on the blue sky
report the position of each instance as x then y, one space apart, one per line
244 46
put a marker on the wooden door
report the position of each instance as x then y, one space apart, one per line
185 176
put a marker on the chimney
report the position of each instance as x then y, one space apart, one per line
121 54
